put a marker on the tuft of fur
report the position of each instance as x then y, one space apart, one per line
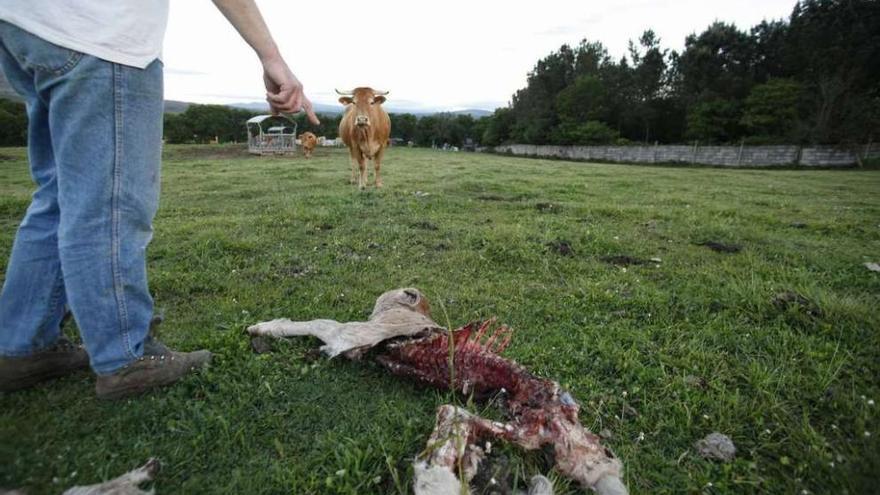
127 484
435 480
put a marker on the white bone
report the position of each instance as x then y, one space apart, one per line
397 313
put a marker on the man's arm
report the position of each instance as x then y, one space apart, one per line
284 91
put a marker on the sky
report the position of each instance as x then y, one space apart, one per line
447 55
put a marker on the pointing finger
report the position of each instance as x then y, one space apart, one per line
310 111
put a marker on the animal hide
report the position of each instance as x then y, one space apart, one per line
127 484
397 313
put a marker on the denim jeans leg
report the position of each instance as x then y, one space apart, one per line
32 299
107 133
105 125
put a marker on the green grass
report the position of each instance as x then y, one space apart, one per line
666 353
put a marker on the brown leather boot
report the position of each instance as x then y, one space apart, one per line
63 358
158 367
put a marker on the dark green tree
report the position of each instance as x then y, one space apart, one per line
717 63
591 132
176 130
582 100
13 123
772 111
499 128
404 126
649 82
833 47
769 41
714 121
533 105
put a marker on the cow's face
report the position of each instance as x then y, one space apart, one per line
363 99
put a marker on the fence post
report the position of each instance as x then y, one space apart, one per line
799 155
739 157
694 154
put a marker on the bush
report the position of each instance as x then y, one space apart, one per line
591 132
714 121
772 111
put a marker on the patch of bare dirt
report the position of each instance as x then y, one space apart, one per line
548 207
784 301
492 197
561 247
623 260
696 382
261 345
720 247
424 225
209 152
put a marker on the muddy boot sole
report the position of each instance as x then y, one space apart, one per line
64 358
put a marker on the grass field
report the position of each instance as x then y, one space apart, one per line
660 354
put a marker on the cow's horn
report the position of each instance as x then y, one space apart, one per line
380 93
345 93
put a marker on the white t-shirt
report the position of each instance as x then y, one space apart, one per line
128 32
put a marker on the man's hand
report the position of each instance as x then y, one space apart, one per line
284 92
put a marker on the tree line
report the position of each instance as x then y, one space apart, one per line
205 123
13 123
810 79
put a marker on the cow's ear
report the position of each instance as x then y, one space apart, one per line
346 100
379 99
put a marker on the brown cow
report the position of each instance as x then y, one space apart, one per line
309 141
365 128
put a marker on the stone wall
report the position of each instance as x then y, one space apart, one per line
723 156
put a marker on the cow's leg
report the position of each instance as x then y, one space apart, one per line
353 159
322 329
337 337
362 166
377 165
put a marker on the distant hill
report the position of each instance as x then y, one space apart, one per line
257 106
474 112
173 106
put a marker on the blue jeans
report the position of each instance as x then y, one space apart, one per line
94 147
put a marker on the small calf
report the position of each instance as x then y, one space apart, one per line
309 141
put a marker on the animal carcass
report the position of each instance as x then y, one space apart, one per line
405 340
